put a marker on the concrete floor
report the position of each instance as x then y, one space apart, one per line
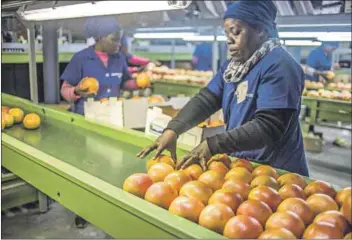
333 165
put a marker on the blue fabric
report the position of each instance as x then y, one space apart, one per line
204 54
262 13
101 26
275 82
318 60
86 63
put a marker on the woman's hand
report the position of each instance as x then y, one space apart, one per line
201 154
167 141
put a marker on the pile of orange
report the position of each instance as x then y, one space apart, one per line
11 116
238 200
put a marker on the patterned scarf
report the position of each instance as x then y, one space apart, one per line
236 71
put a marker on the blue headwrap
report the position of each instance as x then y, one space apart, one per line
100 26
332 44
258 13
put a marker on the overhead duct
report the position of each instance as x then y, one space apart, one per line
284 8
303 7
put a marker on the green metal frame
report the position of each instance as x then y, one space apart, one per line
328 110
108 207
175 89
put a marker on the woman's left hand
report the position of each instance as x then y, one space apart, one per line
201 154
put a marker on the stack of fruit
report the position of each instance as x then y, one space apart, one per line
327 94
339 86
11 116
239 200
313 85
181 75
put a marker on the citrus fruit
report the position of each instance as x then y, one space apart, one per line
143 80
277 233
160 194
159 171
215 216
162 159
213 179
266 181
266 194
218 167
298 206
242 163
319 187
8 119
334 217
239 173
243 226
196 189
17 114
292 178
291 190
320 203
237 186
137 184
288 220
256 209
231 199
265 170
194 171
322 230
89 83
342 194
177 179
31 121
189 208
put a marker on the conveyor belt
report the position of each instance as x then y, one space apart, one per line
96 154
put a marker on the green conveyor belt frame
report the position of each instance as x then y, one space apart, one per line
85 192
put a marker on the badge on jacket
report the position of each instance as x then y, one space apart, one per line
241 91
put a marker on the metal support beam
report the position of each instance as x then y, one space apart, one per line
33 81
215 52
173 43
50 63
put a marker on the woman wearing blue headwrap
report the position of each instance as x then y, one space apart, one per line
319 61
101 61
259 90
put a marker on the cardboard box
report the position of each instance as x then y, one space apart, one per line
159 116
125 113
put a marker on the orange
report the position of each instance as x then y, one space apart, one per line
177 179
196 189
89 83
346 209
334 217
237 186
143 80
189 208
288 220
218 167
292 178
31 121
160 194
194 171
342 194
231 199
320 203
155 99
137 184
5 109
3 123
265 170
277 233
257 209
163 159
266 194
266 181
104 100
223 157
298 206
215 216
243 226
159 171
319 187
17 114
213 179
242 163
291 190
239 173
322 230
348 236
8 119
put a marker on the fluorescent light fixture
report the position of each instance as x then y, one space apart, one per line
170 35
99 8
301 43
321 36
164 29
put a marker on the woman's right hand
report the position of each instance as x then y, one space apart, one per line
167 141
